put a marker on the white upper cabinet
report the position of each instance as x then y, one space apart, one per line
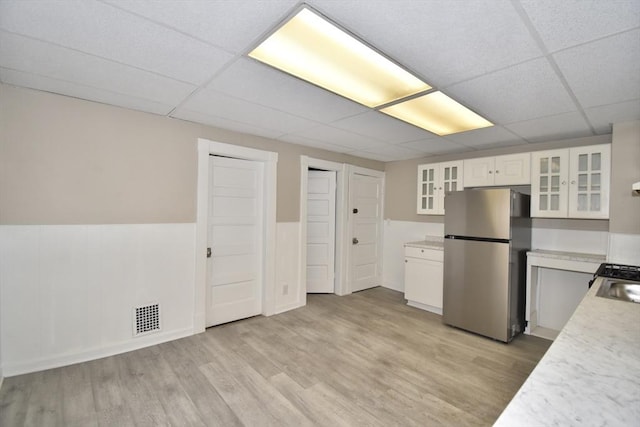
571 182
434 180
513 169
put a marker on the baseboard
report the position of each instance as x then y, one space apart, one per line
12 369
393 286
425 307
288 307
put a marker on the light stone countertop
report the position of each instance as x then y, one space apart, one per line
590 376
430 242
569 256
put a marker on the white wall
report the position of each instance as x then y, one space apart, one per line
396 234
289 292
68 291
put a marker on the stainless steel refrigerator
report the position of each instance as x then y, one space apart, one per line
487 235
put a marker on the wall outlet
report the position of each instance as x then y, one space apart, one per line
285 289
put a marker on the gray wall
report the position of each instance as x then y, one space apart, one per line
69 161
401 183
625 155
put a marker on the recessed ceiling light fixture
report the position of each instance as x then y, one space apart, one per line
315 50
437 113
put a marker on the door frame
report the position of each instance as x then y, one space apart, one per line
352 170
341 219
270 159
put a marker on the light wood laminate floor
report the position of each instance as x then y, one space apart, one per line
361 360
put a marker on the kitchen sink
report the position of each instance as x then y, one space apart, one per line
622 291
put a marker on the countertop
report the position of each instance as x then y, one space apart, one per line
430 242
590 376
569 256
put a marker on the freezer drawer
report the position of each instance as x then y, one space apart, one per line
482 213
477 294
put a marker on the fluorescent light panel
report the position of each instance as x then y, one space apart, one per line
313 49
437 113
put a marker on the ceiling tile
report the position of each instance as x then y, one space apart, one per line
19 78
437 145
340 137
300 140
381 127
485 136
261 84
518 93
233 25
566 23
388 153
35 57
217 104
196 117
99 29
568 125
603 72
445 41
603 116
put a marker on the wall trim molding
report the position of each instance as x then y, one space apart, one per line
205 149
12 369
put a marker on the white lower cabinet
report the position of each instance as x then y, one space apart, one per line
423 278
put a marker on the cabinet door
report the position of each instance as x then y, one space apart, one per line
549 189
423 281
514 169
428 189
589 181
451 179
479 172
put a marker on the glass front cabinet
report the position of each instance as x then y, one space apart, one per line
571 182
434 181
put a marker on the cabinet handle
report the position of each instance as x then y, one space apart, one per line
406 260
564 182
497 171
573 182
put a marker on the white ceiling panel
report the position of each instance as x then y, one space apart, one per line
381 127
217 104
233 24
35 57
19 78
486 136
568 125
514 94
532 67
566 23
340 137
388 153
299 140
258 83
99 29
603 116
436 145
196 117
603 72
445 41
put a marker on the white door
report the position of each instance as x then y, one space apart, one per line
235 222
321 231
365 211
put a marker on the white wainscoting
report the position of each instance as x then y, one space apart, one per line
624 248
69 291
396 234
289 292
594 242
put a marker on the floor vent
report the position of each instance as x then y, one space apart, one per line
146 319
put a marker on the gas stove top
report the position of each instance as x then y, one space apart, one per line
618 271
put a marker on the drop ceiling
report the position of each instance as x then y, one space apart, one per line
539 69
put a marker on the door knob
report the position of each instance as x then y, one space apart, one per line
354 241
